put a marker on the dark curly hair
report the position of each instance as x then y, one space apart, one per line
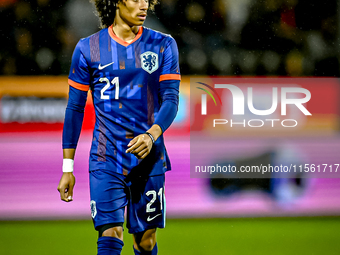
106 10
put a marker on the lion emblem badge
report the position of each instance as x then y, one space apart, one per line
149 61
93 208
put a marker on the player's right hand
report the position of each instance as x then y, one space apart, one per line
65 187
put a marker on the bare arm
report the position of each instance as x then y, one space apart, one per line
69 153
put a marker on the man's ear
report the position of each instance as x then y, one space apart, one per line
122 1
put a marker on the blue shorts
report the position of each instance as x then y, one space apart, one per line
143 196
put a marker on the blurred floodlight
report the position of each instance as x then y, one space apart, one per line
197 59
195 12
248 61
44 58
222 61
271 61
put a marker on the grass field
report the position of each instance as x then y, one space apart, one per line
198 236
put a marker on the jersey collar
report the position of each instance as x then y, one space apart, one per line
121 41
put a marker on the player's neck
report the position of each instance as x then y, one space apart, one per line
124 31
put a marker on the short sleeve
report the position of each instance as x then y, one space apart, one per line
79 76
170 67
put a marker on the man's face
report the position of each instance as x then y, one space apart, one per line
133 12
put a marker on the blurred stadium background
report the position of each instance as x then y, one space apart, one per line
234 38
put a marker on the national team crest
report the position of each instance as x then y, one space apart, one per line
149 61
93 208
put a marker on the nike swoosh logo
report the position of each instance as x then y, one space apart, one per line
150 219
100 67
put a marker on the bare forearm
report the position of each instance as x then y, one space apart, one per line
155 131
69 153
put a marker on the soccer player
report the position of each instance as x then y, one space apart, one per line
133 75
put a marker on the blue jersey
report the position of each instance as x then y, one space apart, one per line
124 79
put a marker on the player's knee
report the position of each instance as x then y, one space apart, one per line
111 231
147 244
147 240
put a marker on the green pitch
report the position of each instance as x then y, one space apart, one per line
201 236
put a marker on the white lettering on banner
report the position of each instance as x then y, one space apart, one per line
32 109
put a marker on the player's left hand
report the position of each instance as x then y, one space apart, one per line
140 146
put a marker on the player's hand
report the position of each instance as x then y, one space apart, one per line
140 146
65 187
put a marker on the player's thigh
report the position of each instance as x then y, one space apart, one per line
146 209
108 192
